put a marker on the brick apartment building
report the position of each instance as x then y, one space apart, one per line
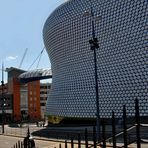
24 98
44 91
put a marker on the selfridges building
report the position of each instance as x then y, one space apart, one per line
120 27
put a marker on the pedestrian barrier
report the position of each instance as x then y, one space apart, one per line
112 141
88 139
27 143
19 144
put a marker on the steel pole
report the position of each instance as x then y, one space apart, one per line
97 96
96 76
3 112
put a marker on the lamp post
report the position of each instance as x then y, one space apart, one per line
3 112
94 45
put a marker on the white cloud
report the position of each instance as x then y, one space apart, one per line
9 58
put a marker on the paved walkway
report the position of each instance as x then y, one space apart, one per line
16 134
10 141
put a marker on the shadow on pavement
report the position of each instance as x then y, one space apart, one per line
68 132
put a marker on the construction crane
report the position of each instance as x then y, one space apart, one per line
23 57
38 58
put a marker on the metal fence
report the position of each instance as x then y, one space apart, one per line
127 136
113 139
19 144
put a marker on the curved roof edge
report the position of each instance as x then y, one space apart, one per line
34 75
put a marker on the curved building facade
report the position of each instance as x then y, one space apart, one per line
121 58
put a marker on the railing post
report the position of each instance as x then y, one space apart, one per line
21 144
72 143
113 129
65 144
124 127
60 146
86 138
94 136
18 144
103 134
79 141
137 118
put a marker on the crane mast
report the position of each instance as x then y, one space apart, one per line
23 57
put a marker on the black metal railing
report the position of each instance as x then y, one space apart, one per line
115 138
127 136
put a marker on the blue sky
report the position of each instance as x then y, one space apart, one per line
21 27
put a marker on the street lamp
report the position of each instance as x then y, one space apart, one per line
3 111
94 45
